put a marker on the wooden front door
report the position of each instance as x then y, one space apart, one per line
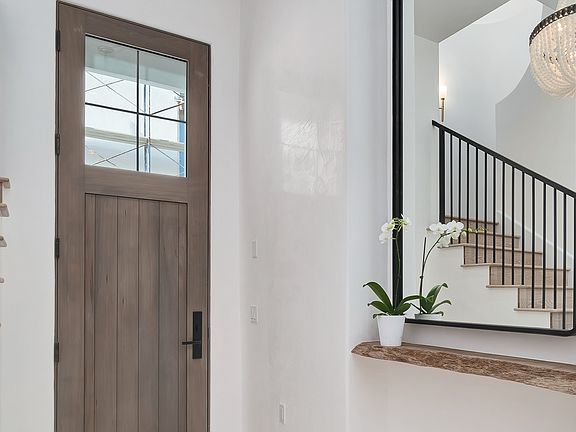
133 242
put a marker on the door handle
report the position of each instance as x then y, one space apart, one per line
196 342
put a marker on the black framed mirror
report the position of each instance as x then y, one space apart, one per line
483 152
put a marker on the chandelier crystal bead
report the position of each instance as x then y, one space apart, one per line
553 51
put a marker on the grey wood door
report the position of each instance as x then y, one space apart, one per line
133 247
135 315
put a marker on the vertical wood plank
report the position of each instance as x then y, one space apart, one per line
106 310
182 307
148 234
168 318
90 228
127 315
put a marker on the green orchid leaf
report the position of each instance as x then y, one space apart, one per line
380 293
381 306
402 308
435 291
440 304
426 304
410 298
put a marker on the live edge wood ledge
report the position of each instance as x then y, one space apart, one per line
552 376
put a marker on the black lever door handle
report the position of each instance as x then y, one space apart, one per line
196 342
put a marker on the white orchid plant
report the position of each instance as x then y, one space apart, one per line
390 231
385 305
446 233
394 226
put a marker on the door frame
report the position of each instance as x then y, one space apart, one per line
74 180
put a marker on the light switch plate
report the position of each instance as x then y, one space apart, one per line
254 314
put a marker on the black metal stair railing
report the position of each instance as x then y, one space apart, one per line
476 184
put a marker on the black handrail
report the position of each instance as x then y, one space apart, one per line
506 160
532 276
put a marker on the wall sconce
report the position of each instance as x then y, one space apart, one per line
443 91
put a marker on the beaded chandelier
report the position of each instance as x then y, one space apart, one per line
553 51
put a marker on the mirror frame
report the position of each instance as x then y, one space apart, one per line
398 183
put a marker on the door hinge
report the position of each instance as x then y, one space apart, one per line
57 248
57 40
56 352
57 144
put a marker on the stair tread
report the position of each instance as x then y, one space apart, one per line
516 266
551 310
469 219
493 234
498 248
537 287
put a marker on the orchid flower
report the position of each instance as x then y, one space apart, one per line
388 232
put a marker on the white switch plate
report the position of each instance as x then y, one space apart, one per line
282 413
254 314
254 249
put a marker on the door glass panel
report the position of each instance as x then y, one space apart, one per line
110 139
162 148
135 109
110 74
162 86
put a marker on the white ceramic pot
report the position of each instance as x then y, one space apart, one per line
391 329
429 317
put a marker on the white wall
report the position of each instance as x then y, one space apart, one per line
539 131
367 177
26 155
483 63
294 205
421 157
410 398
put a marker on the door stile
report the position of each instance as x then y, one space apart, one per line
198 160
70 225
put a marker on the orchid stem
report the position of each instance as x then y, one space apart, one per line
425 257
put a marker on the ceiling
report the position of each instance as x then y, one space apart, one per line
550 3
439 19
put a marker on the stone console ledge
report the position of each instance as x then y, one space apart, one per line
552 376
